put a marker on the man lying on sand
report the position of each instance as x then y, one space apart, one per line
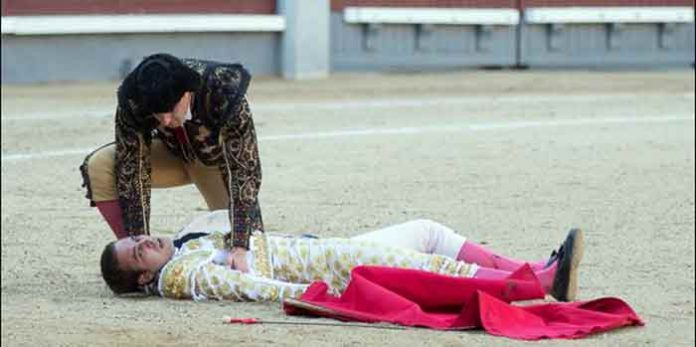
195 264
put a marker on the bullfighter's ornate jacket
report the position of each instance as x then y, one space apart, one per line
283 266
220 133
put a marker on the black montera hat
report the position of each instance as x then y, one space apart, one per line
162 80
155 86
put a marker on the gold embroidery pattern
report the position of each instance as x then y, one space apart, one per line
299 260
174 278
262 255
436 264
218 240
133 176
193 245
220 111
285 266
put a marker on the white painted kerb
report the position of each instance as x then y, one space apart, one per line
553 15
412 15
120 24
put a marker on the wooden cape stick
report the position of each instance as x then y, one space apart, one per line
231 320
317 309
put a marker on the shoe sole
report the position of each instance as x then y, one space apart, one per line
578 249
565 283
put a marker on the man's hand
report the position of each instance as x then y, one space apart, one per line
237 259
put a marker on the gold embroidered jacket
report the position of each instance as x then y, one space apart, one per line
199 271
284 266
220 133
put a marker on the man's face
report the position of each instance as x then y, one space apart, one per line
177 116
143 253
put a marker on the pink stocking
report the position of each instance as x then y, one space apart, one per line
474 253
111 211
545 276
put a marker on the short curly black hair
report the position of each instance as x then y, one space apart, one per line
120 281
161 80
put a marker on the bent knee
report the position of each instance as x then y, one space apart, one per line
99 169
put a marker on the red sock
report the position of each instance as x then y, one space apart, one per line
474 253
111 211
545 276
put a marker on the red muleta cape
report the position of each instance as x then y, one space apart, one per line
424 299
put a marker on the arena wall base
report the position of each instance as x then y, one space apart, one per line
607 45
394 46
98 57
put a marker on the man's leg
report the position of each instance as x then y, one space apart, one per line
100 179
475 253
560 278
208 180
545 276
332 259
422 235
430 237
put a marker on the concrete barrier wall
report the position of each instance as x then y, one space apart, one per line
619 36
376 46
607 45
52 58
306 39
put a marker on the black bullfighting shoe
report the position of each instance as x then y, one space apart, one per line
568 257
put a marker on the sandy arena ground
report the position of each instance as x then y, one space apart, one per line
512 159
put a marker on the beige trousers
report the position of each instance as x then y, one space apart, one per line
167 171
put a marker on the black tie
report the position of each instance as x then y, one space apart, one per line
186 238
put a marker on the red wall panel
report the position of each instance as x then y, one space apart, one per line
48 7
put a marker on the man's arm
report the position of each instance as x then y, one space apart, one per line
213 281
133 178
242 172
224 107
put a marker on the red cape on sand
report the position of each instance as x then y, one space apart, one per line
424 299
